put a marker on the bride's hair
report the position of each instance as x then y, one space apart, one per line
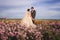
28 9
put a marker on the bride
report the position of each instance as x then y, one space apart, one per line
27 20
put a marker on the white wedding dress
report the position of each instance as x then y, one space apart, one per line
27 20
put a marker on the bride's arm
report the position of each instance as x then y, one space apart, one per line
30 15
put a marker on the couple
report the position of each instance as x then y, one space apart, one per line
29 18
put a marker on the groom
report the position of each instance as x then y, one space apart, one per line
33 14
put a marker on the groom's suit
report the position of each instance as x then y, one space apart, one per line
33 14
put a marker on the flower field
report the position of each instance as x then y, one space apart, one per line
11 29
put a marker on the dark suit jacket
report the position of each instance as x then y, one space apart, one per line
33 14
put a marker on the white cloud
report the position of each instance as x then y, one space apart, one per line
20 2
43 11
47 12
57 5
45 0
16 2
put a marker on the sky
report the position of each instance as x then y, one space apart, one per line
45 9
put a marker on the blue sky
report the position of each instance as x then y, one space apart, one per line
45 9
